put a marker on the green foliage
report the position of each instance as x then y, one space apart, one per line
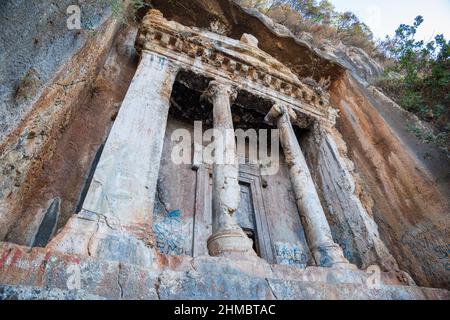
319 18
117 10
427 136
412 101
439 110
317 12
425 76
120 11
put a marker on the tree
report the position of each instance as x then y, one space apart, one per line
424 86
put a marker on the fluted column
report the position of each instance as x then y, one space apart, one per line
227 236
318 233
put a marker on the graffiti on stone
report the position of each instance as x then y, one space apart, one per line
347 249
171 233
342 236
290 254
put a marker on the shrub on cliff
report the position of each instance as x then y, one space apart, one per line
121 11
320 19
423 82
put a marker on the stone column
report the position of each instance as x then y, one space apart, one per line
318 233
124 183
120 199
227 236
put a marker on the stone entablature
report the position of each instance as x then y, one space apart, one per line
239 62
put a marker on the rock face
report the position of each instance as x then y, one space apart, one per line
410 203
40 135
355 60
66 148
32 52
45 274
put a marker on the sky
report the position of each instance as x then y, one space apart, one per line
384 16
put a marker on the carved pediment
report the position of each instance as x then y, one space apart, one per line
240 62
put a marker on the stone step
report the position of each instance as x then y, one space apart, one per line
44 274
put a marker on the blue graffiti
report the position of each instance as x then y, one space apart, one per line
175 214
346 248
168 231
288 254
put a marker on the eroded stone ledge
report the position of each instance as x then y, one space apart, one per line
27 274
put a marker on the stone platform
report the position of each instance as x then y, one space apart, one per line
45 274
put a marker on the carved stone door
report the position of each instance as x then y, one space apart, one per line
268 213
251 215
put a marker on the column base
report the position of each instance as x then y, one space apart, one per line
91 234
331 257
230 243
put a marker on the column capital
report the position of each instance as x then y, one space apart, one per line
279 110
216 89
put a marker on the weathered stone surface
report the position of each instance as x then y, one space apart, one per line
202 278
124 181
227 237
34 142
34 44
33 293
116 217
318 233
250 40
352 226
354 59
391 196
92 234
408 200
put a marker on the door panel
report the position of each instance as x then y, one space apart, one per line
173 214
183 210
287 233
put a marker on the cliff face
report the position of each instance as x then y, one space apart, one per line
34 44
39 145
79 78
410 199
